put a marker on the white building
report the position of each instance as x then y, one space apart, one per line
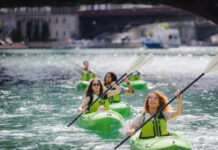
63 26
62 22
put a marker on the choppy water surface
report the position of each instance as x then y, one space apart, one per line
38 97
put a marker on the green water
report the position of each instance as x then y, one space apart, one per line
38 97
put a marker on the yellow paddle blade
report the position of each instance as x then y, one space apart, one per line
139 62
72 62
135 62
213 65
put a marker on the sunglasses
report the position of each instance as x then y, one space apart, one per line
95 84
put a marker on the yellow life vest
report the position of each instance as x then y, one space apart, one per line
86 76
114 98
134 77
102 101
155 127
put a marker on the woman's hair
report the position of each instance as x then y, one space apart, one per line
113 77
89 91
162 101
85 61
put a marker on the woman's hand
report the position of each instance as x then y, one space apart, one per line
81 110
84 105
125 78
130 132
114 84
112 92
178 95
141 110
101 108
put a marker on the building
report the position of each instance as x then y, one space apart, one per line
62 22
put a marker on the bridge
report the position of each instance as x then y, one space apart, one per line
93 23
204 8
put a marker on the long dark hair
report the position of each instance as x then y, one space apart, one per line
113 77
89 91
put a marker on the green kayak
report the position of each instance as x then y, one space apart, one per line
105 121
121 108
172 142
138 84
82 84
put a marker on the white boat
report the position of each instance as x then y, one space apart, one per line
160 37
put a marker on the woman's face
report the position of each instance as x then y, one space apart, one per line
108 78
95 85
86 65
153 101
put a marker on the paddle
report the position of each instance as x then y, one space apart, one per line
145 62
211 67
158 75
140 61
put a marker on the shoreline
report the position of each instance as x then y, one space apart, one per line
14 46
62 45
188 51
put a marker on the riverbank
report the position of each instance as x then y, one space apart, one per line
13 46
82 45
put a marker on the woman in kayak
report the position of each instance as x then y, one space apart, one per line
157 126
135 76
93 91
85 73
111 77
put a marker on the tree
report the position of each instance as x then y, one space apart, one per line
45 31
29 26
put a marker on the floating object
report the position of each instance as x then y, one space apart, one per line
138 84
82 84
122 108
104 121
172 142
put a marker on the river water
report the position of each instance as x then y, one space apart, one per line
38 97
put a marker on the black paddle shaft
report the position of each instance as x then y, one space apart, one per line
95 100
160 109
120 81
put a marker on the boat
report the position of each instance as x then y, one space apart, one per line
174 141
122 108
161 36
138 84
104 121
82 84
152 44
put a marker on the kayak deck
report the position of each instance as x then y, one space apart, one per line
82 84
104 121
122 108
138 84
172 142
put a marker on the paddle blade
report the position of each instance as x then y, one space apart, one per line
139 59
139 62
213 65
